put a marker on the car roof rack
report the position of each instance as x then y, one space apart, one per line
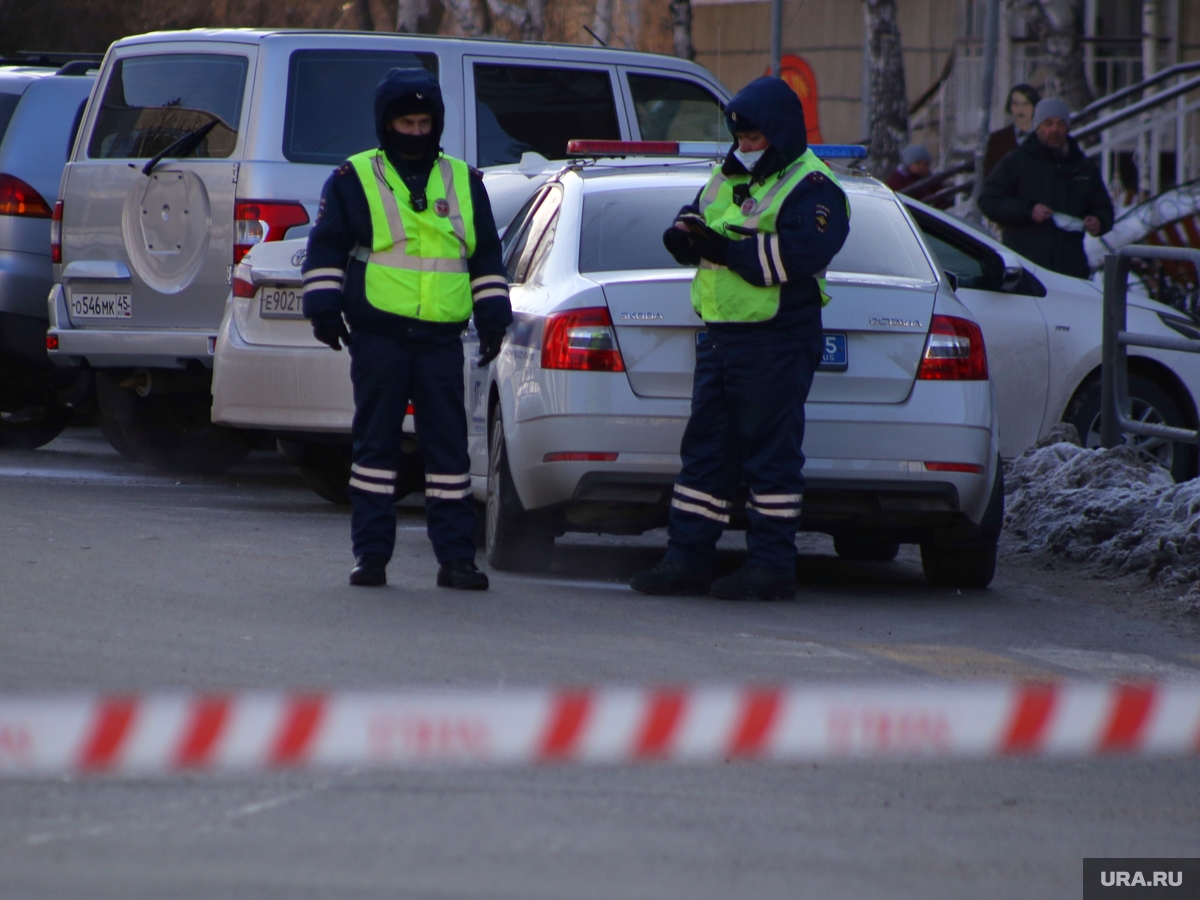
596 149
66 63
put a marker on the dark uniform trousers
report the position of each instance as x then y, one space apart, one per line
387 372
747 425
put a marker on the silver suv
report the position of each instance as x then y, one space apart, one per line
40 107
200 144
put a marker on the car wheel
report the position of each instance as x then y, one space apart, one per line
111 429
864 546
29 425
958 567
513 543
326 470
966 557
1151 404
173 432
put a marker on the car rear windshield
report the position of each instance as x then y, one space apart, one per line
538 108
150 102
880 242
8 105
622 229
330 113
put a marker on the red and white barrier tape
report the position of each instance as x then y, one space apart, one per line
163 733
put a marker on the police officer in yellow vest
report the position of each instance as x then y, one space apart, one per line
762 232
404 251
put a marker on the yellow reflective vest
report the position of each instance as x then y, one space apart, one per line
720 295
417 264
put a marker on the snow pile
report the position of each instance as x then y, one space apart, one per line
1108 507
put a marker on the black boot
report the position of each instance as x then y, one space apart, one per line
752 582
369 571
671 576
462 574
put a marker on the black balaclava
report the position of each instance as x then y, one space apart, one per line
400 93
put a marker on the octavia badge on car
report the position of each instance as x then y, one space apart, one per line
639 316
901 323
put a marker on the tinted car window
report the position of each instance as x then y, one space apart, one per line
535 108
953 259
622 230
670 109
8 104
330 110
152 101
880 242
535 237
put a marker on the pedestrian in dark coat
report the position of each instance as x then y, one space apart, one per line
1046 194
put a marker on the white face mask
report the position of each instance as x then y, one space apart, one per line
749 159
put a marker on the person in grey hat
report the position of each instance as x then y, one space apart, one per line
915 162
1046 194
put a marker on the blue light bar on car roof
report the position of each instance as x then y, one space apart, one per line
698 149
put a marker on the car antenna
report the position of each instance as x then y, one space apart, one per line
596 36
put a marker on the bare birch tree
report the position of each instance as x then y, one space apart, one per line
1058 26
478 18
419 16
889 96
681 29
602 22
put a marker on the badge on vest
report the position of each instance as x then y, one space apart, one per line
442 207
748 206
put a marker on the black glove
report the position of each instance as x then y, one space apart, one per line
679 244
711 245
489 348
328 331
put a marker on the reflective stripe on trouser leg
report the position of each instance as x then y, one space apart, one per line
441 420
381 371
700 500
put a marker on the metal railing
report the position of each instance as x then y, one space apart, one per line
1116 408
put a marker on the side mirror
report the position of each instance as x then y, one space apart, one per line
1012 277
953 279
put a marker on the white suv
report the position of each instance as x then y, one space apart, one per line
199 144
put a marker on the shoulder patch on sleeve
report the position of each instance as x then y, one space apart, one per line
821 217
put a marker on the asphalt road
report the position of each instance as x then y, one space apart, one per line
115 577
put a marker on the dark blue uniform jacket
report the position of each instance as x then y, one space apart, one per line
336 283
812 224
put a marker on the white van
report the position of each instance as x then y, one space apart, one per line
199 144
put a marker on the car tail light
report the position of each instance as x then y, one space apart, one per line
970 468
953 351
243 285
56 233
581 339
256 221
52 342
19 199
579 457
